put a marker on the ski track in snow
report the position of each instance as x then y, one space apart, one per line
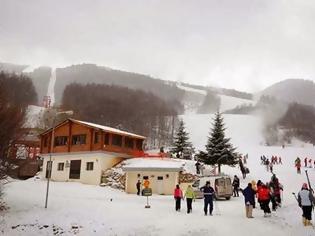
51 86
92 210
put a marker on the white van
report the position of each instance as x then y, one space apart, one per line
222 184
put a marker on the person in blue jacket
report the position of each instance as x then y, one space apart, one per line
249 196
208 193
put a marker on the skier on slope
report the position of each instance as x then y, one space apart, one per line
306 200
208 193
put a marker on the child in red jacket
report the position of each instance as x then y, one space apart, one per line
178 195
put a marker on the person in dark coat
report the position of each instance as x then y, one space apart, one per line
208 193
236 185
198 167
249 197
138 185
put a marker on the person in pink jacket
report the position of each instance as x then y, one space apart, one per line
178 195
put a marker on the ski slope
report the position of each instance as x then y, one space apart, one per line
227 102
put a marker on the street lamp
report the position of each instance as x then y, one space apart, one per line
51 149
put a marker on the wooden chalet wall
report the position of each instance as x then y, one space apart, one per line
70 129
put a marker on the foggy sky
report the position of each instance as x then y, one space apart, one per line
242 44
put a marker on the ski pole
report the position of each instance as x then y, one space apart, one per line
295 197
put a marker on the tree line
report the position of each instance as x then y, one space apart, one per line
127 109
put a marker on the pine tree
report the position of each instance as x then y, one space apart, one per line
219 150
181 143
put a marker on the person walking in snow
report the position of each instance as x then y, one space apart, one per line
178 195
271 167
267 164
264 198
236 186
280 161
298 165
276 189
306 200
190 196
310 163
197 167
305 162
138 185
249 197
208 193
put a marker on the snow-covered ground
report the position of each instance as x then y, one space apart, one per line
33 116
94 210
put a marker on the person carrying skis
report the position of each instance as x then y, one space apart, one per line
208 193
178 195
306 200
264 198
236 185
190 196
249 197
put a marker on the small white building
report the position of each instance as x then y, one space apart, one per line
163 174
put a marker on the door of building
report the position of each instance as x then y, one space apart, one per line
160 185
75 169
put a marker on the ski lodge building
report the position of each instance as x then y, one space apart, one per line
81 150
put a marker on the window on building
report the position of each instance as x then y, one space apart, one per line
106 139
117 140
61 140
79 139
89 165
61 166
45 141
96 137
139 144
129 142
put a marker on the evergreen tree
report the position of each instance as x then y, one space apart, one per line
219 151
181 144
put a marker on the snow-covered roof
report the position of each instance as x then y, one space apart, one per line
101 127
109 129
153 164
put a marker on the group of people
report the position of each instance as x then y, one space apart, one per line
274 160
265 193
208 193
307 164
